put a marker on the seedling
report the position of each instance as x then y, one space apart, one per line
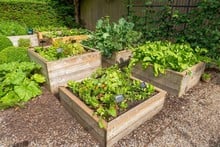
206 77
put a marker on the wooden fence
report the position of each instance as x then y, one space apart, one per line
92 10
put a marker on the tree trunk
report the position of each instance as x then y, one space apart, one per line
76 4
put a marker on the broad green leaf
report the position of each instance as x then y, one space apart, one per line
147 59
38 78
101 124
156 69
123 105
27 91
100 111
15 78
105 35
112 111
94 102
9 100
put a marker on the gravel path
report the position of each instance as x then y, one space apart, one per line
189 121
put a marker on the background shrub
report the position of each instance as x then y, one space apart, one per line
24 42
11 54
33 13
12 28
4 42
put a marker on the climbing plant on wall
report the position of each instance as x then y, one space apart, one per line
199 27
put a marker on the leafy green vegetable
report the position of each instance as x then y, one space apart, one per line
38 78
165 55
110 37
60 50
110 91
19 83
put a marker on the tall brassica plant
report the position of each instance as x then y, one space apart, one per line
110 37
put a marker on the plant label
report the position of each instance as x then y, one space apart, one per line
119 98
59 50
143 85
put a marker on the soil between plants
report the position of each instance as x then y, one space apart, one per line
191 120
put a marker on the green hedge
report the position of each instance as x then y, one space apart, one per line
13 54
11 28
4 42
34 14
24 42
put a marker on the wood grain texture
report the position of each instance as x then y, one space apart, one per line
59 72
175 83
68 39
117 128
82 113
120 57
65 39
92 10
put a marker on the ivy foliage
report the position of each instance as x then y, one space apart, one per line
203 27
200 27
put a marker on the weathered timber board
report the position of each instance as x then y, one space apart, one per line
68 39
59 72
65 39
120 57
117 128
84 115
175 83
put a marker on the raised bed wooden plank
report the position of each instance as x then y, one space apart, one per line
65 39
117 128
175 83
120 57
59 72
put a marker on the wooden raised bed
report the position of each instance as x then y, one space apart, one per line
175 83
117 128
66 39
121 58
58 72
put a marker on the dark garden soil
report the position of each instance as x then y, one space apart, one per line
191 120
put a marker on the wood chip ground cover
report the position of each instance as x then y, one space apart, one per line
191 120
